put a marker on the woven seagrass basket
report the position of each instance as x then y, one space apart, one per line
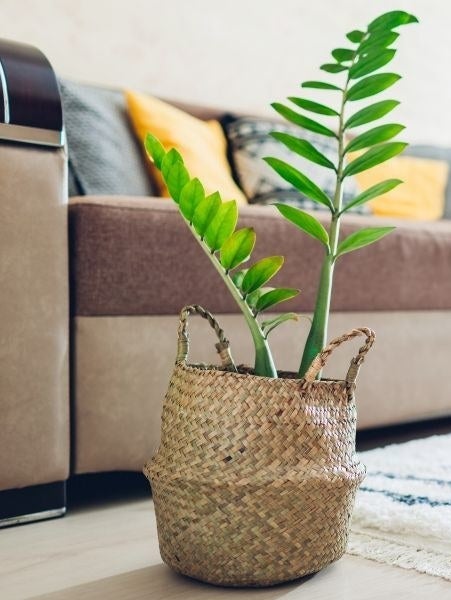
255 478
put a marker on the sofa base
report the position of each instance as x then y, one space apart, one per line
34 503
123 365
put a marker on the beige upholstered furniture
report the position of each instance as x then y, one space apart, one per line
34 310
134 264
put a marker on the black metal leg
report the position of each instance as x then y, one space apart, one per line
34 503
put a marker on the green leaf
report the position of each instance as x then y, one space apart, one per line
379 134
268 326
320 85
205 212
371 85
373 157
238 248
302 121
238 277
274 297
192 194
154 149
253 297
371 113
260 273
343 54
176 178
169 160
303 148
299 181
222 225
333 68
355 36
362 238
371 62
315 107
379 39
305 222
392 19
372 192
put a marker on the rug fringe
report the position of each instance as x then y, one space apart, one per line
381 550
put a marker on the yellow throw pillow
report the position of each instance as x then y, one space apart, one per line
201 143
421 196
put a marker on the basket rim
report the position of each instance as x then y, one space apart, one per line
247 373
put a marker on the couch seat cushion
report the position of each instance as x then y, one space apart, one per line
135 256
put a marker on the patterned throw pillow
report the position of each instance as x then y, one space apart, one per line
104 157
249 142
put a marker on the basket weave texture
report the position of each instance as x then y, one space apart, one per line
255 478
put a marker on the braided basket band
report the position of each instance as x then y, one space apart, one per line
318 363
321 359
222 346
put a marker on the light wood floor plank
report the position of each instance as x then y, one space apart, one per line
111 553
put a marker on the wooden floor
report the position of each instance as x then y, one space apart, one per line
110 552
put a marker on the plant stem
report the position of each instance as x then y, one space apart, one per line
317 336
264 363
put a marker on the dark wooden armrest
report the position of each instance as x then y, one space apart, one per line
30 104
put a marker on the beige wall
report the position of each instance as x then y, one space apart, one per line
235 53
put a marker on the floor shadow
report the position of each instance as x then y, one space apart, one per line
367 439
158 582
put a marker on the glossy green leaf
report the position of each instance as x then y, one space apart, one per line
374 156
372 192
238 276
315 107
192 194
304 221
176 178
355 36
343 54
302 121
371 62
320 85
362 238
371 113
254 296
154 149
379 134
391 20
261 273
222 225
303 148
333 68
169 160
237 248
205 212
273 297
299 181
268 326
371 85
378 39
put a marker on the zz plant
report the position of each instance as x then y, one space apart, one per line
213 221
370 51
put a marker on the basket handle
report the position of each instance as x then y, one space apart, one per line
351 376
222 346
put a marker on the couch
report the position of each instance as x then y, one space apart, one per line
129 264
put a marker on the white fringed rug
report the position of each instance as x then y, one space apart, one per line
403 508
